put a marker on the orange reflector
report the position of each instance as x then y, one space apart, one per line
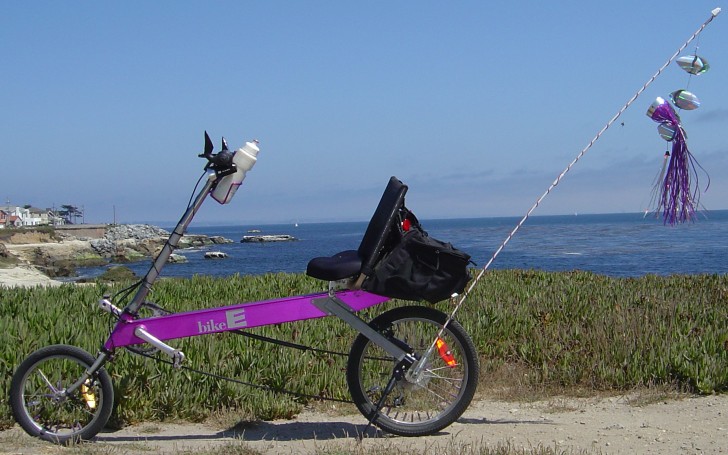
445 353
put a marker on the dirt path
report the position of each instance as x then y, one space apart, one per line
613 425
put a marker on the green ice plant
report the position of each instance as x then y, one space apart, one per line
567 329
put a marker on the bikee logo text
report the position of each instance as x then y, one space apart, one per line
234 319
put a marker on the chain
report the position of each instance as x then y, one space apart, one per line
287 344
245 383
149 354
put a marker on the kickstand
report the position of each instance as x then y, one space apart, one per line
397 374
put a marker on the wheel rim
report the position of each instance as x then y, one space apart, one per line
48 409
430 396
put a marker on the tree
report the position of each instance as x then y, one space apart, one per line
70 213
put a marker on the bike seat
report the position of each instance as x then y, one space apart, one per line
337 267
376 240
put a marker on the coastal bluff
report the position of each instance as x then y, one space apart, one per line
58 251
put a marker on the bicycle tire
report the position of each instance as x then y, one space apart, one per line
438 397
44 412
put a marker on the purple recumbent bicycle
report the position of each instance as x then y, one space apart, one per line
411 371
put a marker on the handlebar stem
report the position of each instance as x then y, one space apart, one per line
171 245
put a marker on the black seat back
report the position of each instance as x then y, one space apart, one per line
380 227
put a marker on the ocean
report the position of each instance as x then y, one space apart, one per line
617 245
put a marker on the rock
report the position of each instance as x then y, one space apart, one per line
24 276
268 238
215 255
134 231
177 259
219 240
117 273
121 243
130 242
194 241
124 256
57 258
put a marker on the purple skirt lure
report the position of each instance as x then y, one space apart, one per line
677 192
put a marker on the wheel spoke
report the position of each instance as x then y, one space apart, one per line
45 379
429 401
41 405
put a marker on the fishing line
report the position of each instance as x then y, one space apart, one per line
464 296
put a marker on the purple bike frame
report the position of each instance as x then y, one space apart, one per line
233 317
130 330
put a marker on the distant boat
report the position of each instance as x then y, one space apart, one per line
253 231
267 238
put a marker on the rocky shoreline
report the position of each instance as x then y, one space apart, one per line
57 253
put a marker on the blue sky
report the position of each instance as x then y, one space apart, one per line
477 106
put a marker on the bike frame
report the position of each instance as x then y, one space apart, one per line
131 330
420 397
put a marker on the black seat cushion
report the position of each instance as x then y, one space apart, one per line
377 238
337 267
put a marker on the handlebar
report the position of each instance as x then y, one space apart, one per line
221 162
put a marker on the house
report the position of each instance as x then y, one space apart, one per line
34 216
13 216
9 219
53 218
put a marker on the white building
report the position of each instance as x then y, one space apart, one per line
14 216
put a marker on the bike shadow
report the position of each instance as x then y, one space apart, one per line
297 431
486 421
253 431
290 431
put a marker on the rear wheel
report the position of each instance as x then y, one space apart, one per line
421 405
41 405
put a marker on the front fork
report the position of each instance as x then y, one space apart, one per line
103 357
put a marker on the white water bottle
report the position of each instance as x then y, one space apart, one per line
244 159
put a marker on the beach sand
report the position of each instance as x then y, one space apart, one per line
24 276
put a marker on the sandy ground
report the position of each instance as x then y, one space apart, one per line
24 276
615 425
66 249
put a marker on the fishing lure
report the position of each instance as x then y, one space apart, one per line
675 191
697 65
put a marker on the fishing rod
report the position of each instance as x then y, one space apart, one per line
464 296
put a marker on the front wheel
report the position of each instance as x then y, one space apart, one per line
41 404
422 405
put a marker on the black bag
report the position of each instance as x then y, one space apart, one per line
420 268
